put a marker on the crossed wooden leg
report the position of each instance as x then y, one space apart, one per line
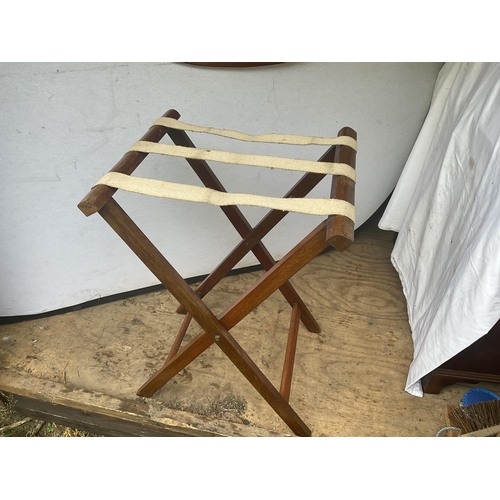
251 237
217 329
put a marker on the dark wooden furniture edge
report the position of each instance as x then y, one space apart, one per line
480 362
233 64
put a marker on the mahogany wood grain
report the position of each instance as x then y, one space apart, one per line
304 186
340 233
333 231
480 362
311 246
214 329
99 195
180 336
296 259
243 227
291 348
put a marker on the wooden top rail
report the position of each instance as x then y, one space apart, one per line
340 229
100 195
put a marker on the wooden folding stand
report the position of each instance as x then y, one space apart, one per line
336 230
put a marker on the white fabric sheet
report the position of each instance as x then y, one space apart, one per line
446 208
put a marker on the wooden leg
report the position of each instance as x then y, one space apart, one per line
252 239
214 329
254 243
180 336
242 361
311 246
291 263
255 376
175 364
291 347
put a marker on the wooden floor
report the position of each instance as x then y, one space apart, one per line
83 368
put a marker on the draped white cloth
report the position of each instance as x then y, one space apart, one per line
446 208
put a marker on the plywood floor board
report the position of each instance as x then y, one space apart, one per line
348 380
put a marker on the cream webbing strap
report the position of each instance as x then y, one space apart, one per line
299 140
246 159
163 189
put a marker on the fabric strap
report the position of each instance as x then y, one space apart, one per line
245 159
163 189
299 140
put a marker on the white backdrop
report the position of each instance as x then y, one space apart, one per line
446 209
63 125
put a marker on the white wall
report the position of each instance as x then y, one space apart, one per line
63 125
